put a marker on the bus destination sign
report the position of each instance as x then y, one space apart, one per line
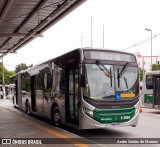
109 56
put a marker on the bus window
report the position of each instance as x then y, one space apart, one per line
127 80
98 85
1 92
149 82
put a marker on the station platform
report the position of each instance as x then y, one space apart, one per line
16 129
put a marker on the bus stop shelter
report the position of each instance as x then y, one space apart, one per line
21 21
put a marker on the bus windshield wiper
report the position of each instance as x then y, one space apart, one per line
125 80
120 74
123 70
105 70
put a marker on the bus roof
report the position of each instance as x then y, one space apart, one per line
106 49
152 72
80 50
66 58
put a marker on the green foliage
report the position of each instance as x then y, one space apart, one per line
141 73
22 66
7 75
155 67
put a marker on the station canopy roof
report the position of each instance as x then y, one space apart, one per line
21 21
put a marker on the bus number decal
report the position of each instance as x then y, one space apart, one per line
125 117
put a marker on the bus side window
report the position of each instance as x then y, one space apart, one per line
149 81
140 87
58 81
62 81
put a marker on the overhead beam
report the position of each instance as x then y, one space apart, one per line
50 20
54 18
67 6
18 35
5 10
34 12
39 6
12 34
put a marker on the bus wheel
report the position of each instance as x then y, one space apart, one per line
56 118
27 108
13 100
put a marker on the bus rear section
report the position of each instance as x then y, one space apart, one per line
151 89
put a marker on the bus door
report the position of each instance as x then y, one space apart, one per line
72 97
16 90
33 98
156 92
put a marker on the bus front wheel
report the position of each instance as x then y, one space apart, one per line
56 118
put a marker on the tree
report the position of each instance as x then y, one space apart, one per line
7 75
141 73
155 67
22 66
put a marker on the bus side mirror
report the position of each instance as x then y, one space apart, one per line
83 83
140 87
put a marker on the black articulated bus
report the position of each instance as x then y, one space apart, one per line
85 89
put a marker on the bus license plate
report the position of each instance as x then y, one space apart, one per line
115 125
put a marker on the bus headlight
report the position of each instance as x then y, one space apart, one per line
88 112
137 107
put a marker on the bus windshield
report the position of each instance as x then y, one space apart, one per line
102 87
127 80
98 85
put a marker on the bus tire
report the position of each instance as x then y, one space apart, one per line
56 117
27 108
13 100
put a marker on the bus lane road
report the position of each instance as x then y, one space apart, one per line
19 129
146 133
15 124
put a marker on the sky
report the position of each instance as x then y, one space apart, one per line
124 24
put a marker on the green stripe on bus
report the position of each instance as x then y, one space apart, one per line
114 115
148 98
